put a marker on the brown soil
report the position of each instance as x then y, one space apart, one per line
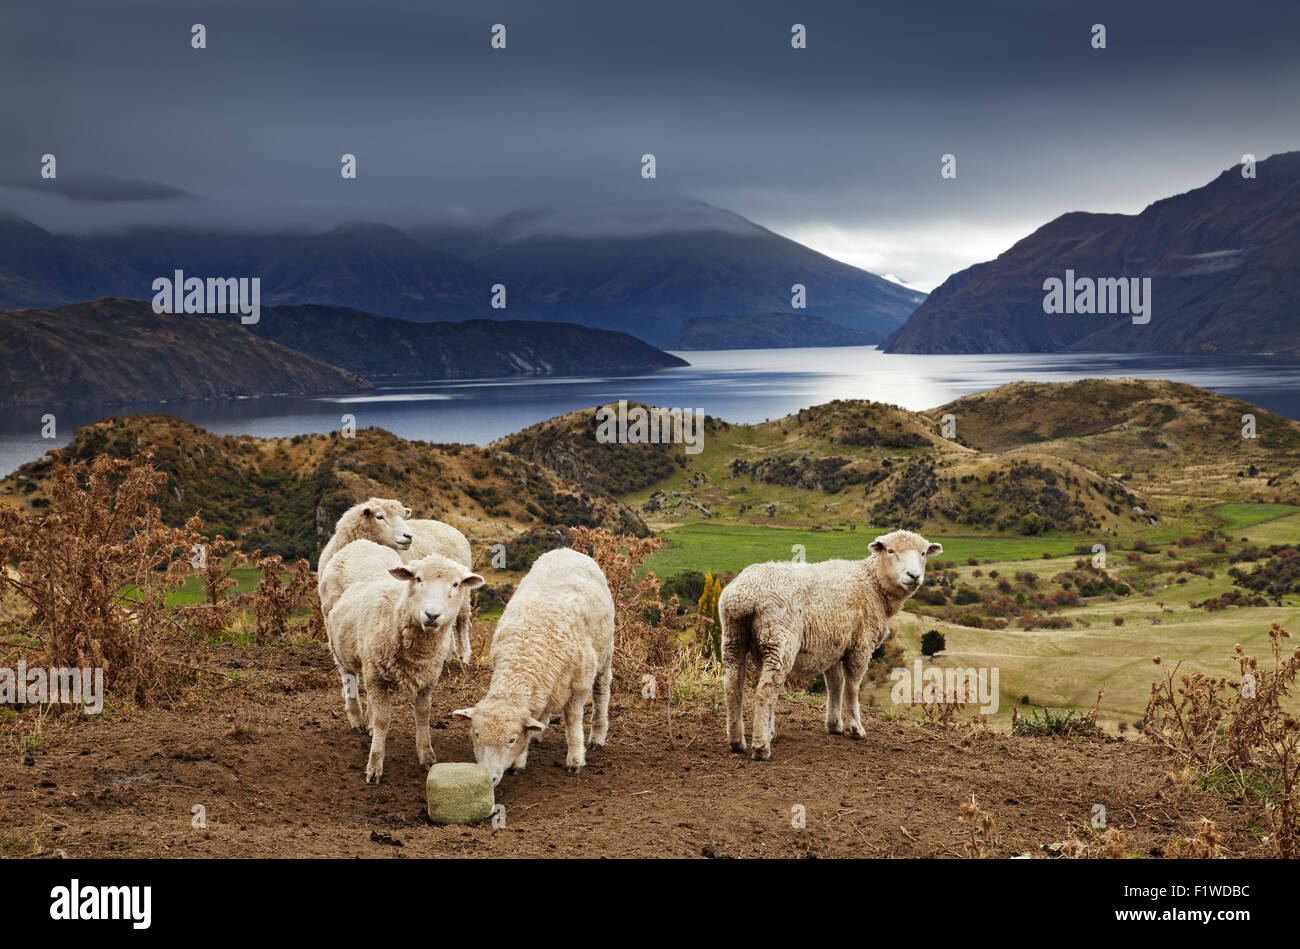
280 774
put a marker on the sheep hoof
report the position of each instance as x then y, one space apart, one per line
428 759
857 734
835 729
372 777
739 747
574 768
761 754
595 746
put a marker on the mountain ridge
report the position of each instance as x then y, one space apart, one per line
1220 258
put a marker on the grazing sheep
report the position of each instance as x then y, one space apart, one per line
357 562
435 537
378 519
808 618
553 649
395 633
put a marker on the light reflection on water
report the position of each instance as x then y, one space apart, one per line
737 385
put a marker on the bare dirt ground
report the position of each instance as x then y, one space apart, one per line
279 774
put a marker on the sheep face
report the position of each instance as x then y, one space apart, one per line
501 734
436 588
385 521
903 556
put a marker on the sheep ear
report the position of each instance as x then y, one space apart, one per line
532 725
934 549
406 512
472 582
877 545
401 573
463 714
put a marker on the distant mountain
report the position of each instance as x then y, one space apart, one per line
639 271
646 281
377 346
1222 263
118 350
366 266
767 331
38 268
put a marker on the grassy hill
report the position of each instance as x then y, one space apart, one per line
284 495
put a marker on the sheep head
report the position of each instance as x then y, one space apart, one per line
901 559
436 588
383 520
502 730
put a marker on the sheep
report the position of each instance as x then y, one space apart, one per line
357 562
395 632
378 519
435 537
803 619
553 649
386 522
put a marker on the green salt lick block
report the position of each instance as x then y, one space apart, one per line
459 793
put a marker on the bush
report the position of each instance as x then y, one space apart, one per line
1030 525
95 569
932 643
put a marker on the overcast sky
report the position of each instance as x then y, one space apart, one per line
837 145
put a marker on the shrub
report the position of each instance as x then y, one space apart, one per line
932 643
95 569
1238 735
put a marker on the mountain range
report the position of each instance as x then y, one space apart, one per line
1221 260
643 277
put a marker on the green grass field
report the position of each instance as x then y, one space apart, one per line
718 547
1060 667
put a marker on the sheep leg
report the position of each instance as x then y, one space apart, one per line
835 698
600 706
733 691
576 758
381 713
855 667
463 623
770 679
423 743
352 700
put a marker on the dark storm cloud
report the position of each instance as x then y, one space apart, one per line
96 189
844 137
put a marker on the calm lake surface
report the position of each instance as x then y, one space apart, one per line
737 385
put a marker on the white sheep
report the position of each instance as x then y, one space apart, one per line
435 537
552 650
809 618
386 522
395 632
358 562
379 519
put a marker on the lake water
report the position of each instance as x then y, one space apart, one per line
737 385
